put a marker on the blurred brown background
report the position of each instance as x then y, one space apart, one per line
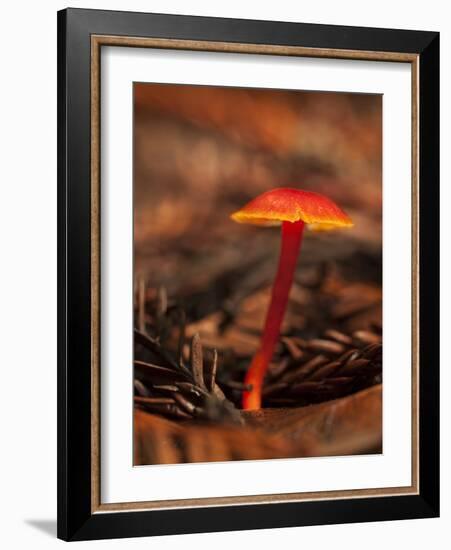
200 153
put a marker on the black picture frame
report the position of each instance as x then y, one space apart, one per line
76 520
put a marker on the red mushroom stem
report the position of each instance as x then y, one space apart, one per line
291 242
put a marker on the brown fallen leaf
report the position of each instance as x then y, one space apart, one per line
350 425
161 441
346 426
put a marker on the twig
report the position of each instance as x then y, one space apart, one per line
197 361
211 373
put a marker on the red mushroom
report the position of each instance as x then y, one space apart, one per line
291 208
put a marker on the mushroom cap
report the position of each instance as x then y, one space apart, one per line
286 204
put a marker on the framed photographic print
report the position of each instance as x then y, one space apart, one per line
248 274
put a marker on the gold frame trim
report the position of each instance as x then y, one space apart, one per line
97 41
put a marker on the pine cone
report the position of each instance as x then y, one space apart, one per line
323 369
168 388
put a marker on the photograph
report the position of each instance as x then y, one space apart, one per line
248 268
257 267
